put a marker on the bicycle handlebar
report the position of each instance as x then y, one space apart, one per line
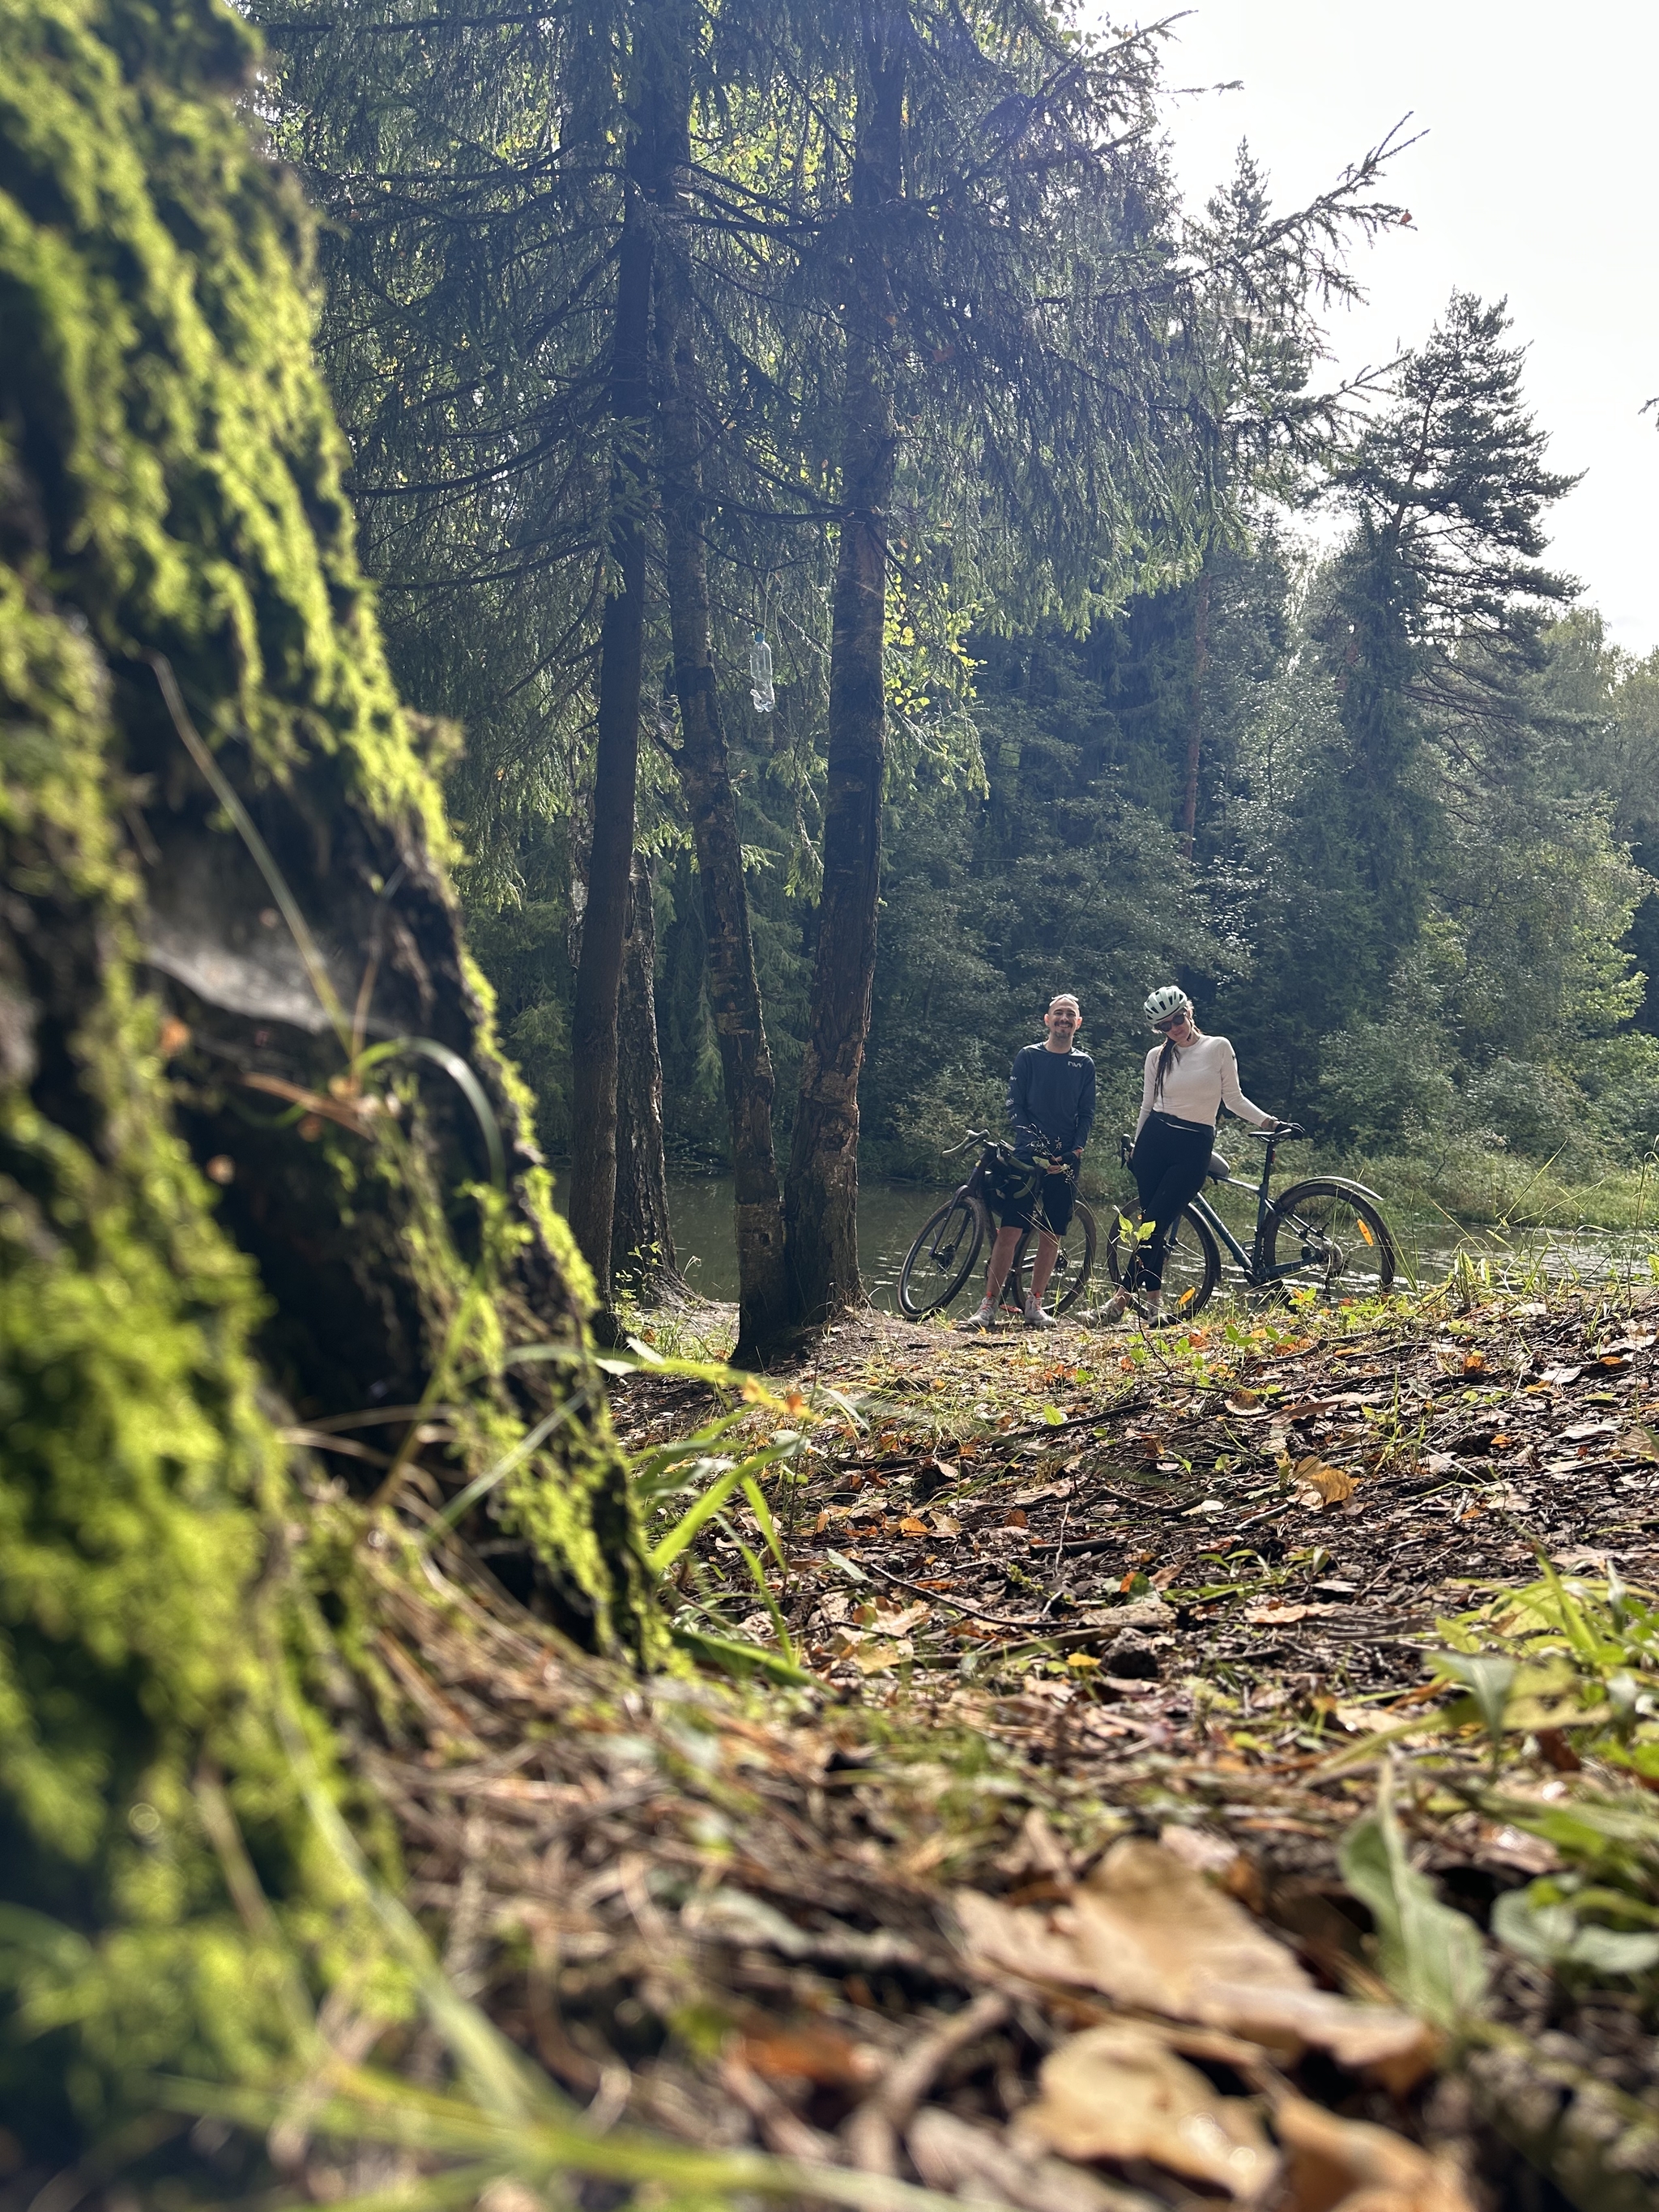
973 1137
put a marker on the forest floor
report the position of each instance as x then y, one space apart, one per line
1175 1770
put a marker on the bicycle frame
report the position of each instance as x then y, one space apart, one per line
1255 1274
1250 1262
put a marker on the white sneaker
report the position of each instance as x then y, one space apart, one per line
1151 1308
983 1316
1035 1318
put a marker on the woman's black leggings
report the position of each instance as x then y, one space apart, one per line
1168 1164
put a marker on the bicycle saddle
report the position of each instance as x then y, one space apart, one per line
1219 1169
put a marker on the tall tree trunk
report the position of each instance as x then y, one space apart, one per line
821 1200
1195 712
616 763
705 769
641 1236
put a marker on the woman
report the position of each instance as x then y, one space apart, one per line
1190 1078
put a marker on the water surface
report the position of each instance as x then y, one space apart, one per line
890 1213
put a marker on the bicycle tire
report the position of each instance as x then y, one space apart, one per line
918 1296
1191 1266
1306 1220
1072 1268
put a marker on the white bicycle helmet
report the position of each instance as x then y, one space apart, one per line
1167 998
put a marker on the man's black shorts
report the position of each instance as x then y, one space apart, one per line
1024 1198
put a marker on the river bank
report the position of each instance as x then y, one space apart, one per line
1431 1243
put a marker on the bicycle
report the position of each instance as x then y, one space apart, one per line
1321 1230
945 1252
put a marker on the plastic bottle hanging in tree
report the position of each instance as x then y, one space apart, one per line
760 668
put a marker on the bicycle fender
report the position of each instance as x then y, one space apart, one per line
1353 1190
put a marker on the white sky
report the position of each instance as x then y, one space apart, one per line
1538 179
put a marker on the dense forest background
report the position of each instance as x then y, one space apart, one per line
1349 759
1441 952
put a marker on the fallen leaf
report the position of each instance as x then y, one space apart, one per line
1582 1431
969 2159
1474 1363
899 1619
1244 1401
1269 1612
1118 2092
910 1525
810 2054
1329 1485
1146 1931
943 1524
1560 1375
1015 1520
1349 2166
1365 1720
1582 1559
1036 1850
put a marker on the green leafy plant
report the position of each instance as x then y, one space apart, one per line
1429 1955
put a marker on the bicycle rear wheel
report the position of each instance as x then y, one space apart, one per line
1326 1230
1073 1264
942 1258
1192 1264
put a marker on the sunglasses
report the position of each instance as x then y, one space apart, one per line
1175 1022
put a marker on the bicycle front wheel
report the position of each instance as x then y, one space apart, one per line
942 1258
1192 1264
1326 1231
1073 1264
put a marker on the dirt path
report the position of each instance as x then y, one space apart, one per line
1124 1835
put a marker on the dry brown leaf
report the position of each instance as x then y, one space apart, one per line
1331 1483
1118 2092
871 1653
974 2162
1146 1931
1036 1850
810 2054
1348 2166
898 1619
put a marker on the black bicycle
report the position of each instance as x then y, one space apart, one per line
1324 1232
945 1254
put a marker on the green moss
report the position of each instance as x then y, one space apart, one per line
171 484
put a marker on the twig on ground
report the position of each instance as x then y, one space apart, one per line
872 2133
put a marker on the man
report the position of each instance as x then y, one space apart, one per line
1051 1104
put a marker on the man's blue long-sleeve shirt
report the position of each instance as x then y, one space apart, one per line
1051 1099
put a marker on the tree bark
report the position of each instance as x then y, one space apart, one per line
252 963
642 1238
704 767
616 763
821 1200
236 1248
1195 712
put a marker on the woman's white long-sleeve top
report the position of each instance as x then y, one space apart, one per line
1203 1078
